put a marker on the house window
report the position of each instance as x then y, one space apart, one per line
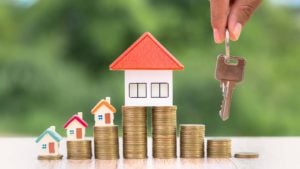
71 131
100 117
159 90
137 90
44 146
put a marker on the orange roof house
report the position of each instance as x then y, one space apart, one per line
103 112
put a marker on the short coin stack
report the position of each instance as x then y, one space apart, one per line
79 149
106 143
50 157
164 132
192 140
219 148
134 132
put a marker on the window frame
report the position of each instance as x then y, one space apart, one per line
137 90
159 89
72 132
100 117
44 146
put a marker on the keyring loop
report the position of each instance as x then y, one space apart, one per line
227 48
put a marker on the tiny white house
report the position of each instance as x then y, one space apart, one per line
75 127
148 68
48 142
103 113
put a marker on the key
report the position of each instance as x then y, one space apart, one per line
229 71
228 74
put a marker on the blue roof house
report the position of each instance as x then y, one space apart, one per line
48 142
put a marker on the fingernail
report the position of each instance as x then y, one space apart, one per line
237 31
217 37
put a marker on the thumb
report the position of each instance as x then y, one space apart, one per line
240 12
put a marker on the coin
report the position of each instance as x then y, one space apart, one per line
134 121
246 155
192 140
164 132
106 142
50 157
79 149
219 148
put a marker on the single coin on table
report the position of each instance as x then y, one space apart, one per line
246 155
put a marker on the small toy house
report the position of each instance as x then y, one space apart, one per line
48 142
103 112
75 127
148 68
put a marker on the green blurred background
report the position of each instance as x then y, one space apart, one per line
54 58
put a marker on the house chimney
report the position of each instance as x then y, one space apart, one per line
52 128
79 114
107 99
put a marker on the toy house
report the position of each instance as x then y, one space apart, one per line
75 127
48 142
103 112
148 68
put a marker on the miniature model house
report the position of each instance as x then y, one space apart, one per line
75 127
48 142
148 70
104 112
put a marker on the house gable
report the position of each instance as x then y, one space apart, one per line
78 119
146 54
101 104
51 133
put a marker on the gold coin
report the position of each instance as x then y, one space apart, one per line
246 155
50 157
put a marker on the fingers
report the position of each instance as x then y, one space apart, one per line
219 13
240 12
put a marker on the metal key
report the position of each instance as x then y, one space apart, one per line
229 71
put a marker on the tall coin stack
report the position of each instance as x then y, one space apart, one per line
192 140
164 132
219 148
79 149
134 132
106 143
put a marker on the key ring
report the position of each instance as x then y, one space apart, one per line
227 49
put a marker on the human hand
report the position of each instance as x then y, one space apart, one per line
230 14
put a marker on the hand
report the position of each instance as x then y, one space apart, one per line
231 14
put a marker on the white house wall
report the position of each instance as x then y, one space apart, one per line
101 111
73 126
46 140
148 76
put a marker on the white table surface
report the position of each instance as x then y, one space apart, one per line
275 153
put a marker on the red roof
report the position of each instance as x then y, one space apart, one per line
76 117
146 54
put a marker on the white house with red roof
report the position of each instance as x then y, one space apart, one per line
104 113
148 68
75 127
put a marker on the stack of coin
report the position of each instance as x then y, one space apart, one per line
106 143
79 149
219 148
50 157
164 132
134 132
192 140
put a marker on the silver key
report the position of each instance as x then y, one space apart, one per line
228 74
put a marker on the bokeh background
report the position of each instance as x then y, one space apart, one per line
54 58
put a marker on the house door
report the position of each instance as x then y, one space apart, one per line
107 118
79 133
51 147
